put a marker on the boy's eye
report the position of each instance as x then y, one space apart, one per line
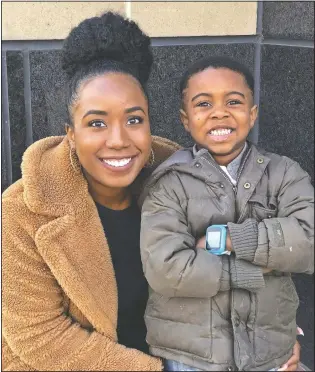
203 104
234 102
135 120
97 124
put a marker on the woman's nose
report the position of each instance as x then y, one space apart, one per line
117 138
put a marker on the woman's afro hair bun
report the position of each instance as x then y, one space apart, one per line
108 37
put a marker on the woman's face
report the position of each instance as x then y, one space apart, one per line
111 130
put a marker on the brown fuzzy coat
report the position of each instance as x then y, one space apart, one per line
59 299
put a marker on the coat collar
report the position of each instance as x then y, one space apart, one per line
72 242
51 186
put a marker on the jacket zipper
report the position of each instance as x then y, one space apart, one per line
234 187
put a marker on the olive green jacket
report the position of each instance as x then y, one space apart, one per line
218 312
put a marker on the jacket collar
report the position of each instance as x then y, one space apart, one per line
51 186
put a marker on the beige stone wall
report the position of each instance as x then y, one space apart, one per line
53 20
196 18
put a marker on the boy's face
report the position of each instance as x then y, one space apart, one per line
219 112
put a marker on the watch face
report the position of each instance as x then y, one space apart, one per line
213 239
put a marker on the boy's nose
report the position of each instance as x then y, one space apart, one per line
219 113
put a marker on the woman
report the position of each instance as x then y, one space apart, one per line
74 299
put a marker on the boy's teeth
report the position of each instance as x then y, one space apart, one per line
117 163
220 132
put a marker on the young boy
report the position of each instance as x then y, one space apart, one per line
224 224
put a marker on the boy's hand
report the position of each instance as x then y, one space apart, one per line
228 242
201 243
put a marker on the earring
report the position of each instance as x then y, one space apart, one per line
74 160
151 160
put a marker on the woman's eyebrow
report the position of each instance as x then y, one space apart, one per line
201 94
95 112
132 109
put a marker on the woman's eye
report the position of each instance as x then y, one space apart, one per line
203 104
234 102
135 120
97 124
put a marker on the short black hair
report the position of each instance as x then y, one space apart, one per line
109 43
216 62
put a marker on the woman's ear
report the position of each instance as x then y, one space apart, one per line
184 119
70 135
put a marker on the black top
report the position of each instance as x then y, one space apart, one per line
122 230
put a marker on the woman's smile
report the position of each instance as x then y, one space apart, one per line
119 164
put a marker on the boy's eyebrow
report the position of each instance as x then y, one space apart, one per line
235 92
210 95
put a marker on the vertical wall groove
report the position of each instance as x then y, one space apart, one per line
6 118
254 135
27 98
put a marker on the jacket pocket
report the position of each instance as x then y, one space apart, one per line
262 207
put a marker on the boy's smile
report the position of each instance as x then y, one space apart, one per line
219 112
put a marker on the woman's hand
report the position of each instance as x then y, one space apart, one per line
292 363
266 270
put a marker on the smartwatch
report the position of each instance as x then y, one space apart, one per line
216 239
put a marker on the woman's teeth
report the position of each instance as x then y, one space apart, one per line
221 132
117 163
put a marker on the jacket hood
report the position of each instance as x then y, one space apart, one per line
185 161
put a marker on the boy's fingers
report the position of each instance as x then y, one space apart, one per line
283 368
299 331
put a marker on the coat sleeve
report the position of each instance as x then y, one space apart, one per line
36 326
284 243
172 264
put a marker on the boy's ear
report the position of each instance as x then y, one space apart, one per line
253 115
184 119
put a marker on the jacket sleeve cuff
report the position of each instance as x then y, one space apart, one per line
225 277
244 238
245 275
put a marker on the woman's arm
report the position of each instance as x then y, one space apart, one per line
36 326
